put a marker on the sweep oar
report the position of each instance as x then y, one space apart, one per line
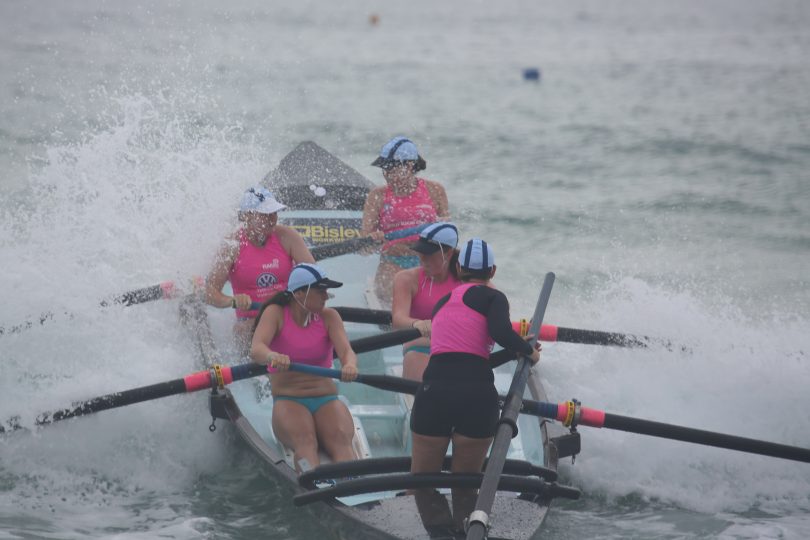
571 413
166 289
201 380
548 332
584 416
356 244
478 521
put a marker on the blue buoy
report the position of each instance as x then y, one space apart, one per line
531 74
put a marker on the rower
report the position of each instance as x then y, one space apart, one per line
257 260
457 399
405 201
295 325
417 290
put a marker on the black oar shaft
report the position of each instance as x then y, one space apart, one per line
341 248
597 337
548 332
199 381
706 438
118 399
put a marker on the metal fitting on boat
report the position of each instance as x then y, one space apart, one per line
478 516
573 413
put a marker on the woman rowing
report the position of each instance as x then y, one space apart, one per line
417 290
295 326
457 399
405 201
257 260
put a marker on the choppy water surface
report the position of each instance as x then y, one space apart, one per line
659 167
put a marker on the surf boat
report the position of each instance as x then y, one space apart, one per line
371 497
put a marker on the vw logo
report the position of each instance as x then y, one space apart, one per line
266 280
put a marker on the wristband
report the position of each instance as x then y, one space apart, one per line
233 302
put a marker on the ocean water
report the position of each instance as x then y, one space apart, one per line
659 168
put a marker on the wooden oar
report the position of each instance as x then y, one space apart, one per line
201 380
478 521
594 418
548 332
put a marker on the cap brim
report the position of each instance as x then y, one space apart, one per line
379 162
327 283
269 207
425 247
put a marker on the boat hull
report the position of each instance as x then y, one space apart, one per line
381 418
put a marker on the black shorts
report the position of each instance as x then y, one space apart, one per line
443 407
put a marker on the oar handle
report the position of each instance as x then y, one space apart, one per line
404 233
317 371
350 246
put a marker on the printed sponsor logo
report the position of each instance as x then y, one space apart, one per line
268 266
266 280
325 234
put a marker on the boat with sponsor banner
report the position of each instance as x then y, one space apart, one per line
370 497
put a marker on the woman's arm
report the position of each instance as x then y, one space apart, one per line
340 341
371 210
294 244
267 328
439 196
402 297
404 289
219 275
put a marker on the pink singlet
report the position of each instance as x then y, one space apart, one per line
259 272
458 328
310 345
429 293
408 211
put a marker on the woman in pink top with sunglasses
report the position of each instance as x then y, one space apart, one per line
405 201
257 260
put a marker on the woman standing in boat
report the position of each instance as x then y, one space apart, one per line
417 290
405 201
257 260
296 326
458 400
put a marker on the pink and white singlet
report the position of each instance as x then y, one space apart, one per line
260 272
457 328
310 345
408 211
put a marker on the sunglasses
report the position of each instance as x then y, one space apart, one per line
392 165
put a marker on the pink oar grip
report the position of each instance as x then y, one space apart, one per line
587 416
591 417
168 289
227 375
548 332
198 381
